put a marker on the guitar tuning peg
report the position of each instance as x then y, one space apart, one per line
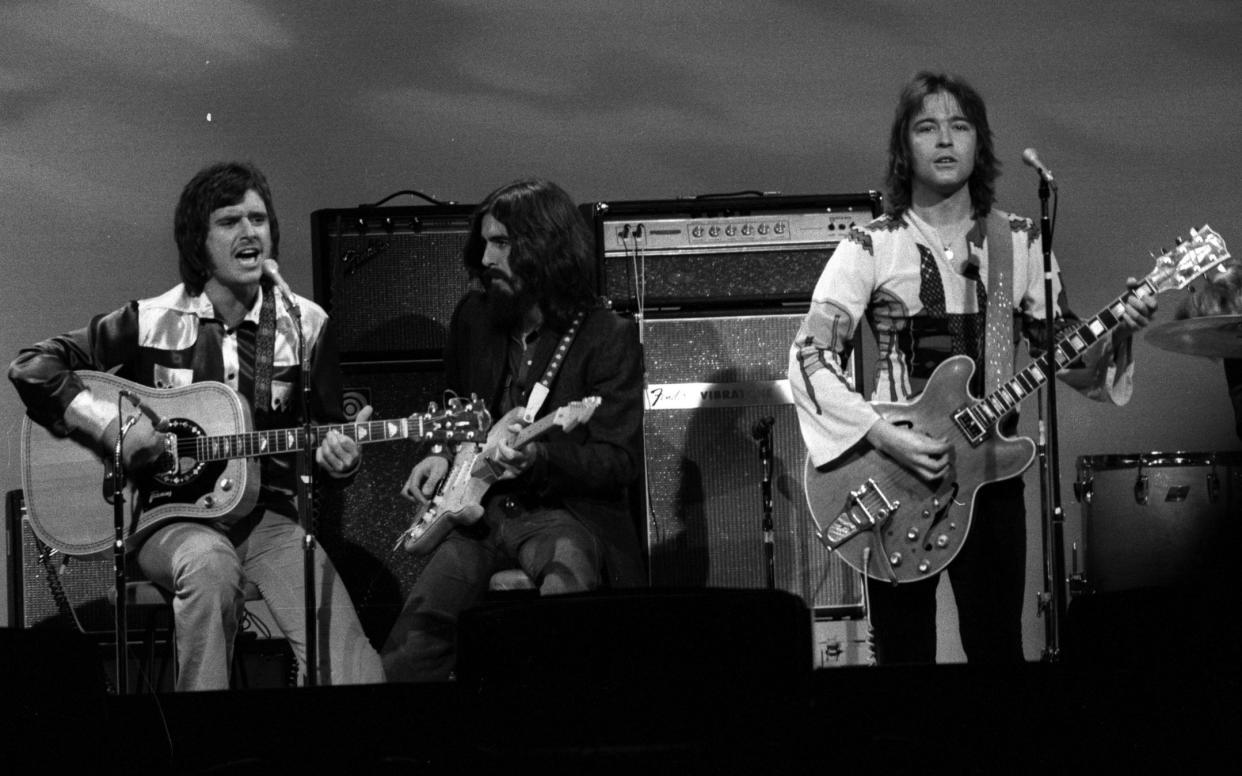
432 408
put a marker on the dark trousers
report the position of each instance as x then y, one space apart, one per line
989 580
549 544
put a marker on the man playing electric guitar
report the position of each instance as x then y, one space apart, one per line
225 323
537 338
942 273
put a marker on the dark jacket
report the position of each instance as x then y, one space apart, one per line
591 469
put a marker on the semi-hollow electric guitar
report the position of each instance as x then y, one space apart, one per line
458 499
884 520
208 470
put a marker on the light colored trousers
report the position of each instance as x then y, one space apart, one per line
205 573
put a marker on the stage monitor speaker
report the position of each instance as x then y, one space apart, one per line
682 659
709 381
738 252
390 278
359 525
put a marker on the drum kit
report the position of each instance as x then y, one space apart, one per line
1154 520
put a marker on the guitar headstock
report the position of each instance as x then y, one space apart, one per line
463 420
576 413
1191 258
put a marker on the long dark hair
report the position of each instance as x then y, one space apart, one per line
213 187
550 247
900 173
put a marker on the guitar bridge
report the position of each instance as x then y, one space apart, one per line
868 508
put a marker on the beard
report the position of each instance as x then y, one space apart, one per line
507 300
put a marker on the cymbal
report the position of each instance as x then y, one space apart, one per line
1215 336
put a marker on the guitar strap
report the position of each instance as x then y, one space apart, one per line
264 355
539 392
998 319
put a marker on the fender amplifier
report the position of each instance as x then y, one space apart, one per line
735 252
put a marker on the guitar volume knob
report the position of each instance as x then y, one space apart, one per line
912 534
226 484
894 559
924 567
942 541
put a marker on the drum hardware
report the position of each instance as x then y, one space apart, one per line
1082 490
1214 336
1077 580
1141 489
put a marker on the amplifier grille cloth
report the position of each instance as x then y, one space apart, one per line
704 474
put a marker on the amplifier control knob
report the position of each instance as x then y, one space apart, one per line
696 231
763 228
714 231
730 230
747 229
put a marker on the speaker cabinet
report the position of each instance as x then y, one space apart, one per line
710 380
390 277
41 575
359 525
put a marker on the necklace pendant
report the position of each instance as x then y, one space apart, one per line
948 254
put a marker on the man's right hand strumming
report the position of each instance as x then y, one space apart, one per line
924 455
425 478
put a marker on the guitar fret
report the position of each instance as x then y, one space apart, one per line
279 441
988 416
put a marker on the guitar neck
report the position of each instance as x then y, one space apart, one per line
252 444
534 431
1068 349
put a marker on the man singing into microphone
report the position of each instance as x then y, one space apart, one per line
226 323
921 274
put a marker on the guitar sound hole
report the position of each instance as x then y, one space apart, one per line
188 467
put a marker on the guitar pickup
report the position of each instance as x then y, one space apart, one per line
971 425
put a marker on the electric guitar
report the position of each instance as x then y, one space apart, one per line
458 499
208 470
889 523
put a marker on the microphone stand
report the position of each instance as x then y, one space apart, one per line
120 611
762 431
306 480
1052 601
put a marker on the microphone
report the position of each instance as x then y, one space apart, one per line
272 270
761 427
160 424
1032 160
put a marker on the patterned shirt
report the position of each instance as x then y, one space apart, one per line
173 340
923 307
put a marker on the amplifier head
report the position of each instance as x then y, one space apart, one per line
704 254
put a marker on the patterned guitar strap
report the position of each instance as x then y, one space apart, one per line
998 320
264 356
540 390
